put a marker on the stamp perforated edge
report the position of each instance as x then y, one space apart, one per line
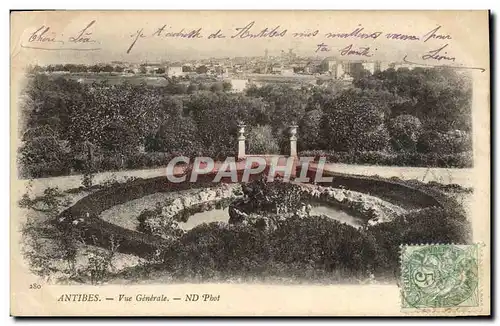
448 311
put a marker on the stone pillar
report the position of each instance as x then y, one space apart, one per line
241 140
293 140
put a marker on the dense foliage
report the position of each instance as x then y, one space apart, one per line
307 248
260 140
67 125
303 246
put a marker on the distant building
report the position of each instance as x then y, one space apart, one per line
276 69
313 66
340 71
287 72
353 68
347 78
370 66
175 71
383 66
331 67
238 85
309 69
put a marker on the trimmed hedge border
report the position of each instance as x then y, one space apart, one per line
84 214
414 159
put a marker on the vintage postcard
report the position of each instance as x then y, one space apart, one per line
250 163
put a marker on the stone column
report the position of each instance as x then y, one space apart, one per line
241 140
293 140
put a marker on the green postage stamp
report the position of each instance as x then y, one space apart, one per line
439 276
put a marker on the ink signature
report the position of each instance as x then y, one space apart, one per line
45 38
433 58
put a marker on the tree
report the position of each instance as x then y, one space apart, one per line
217 87
355 122
69 67
405 131
96 68
360 73
59 67
227 86
43 148
320 98
116 118
286 105
309 130
432 141
202 69
175 87
262 141
47 102
211 110
178 135
192 88
107 68
439 97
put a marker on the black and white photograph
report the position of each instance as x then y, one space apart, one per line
251 151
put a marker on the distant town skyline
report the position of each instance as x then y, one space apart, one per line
102 57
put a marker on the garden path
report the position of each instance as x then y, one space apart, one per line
462 177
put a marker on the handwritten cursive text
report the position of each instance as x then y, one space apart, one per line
246 32
438 54
44 35
83 36
362 51
45 38
434 35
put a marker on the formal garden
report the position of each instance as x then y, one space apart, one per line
152 230
419 117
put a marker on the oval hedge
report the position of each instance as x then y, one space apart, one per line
84 214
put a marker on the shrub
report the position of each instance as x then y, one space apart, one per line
262 141
50 202
405 131
355 121
87 179
455 160
276 197
178 134
153 222
100 262
309 130
42 152
322 243
42 145
219 251
42 170
44 245
432 141
431 225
